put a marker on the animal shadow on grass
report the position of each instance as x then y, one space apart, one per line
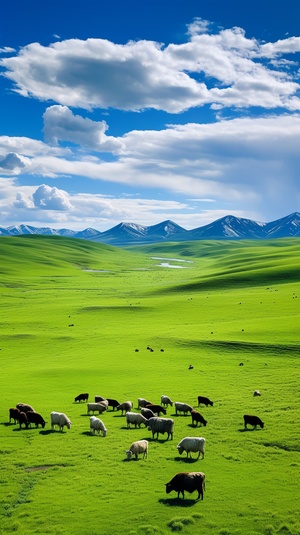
49 431
243 430
8 424
188 460
178 502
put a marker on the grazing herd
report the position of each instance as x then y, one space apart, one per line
149 417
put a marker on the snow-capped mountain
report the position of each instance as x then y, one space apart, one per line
225 228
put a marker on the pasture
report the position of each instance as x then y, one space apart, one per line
78 317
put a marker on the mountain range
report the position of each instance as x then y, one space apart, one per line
225 228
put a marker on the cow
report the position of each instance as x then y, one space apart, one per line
157 409
187 481
14 415
197 418
161 426
113 403
252 420
205 401
81 397
35 418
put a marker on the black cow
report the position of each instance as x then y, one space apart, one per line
35 418
14 415
252 420
187 481
23 419
99 398
197 418
112 403
82 397
205 401
147 413
157 409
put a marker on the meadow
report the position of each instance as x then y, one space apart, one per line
78 317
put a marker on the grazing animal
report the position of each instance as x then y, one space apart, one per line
157 409
82 397
113 403
182 407
256 393
136 419
165 401
14 415
35 418
23 419
60 419
99 398
24 407
192 445
252 420
137 448
100 407
161 426
197 418
191 367
142 403
205 401
147 413
126 406
187 481
97 425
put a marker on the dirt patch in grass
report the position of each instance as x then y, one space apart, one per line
43 467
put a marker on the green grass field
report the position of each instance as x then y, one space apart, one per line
72 316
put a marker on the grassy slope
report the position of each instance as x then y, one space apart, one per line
65 330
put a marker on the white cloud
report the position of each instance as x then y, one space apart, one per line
14 162
60 124
222 69
47 198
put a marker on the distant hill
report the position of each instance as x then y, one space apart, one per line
226 228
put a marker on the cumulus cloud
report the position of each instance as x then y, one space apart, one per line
220 69
14 162
47 198
23 201
60 124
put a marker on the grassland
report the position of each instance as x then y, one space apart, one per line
73 315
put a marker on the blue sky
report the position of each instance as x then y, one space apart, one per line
145 111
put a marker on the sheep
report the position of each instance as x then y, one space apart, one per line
60 419
140 446
256 393
126 406
81 397
142 403
192 444
205 401
187 481
165 401
157 409
252 420
182 407
35 418
97 425
23 420
162 426
14 415
24 407
136 419
197 418
100 407
147 413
